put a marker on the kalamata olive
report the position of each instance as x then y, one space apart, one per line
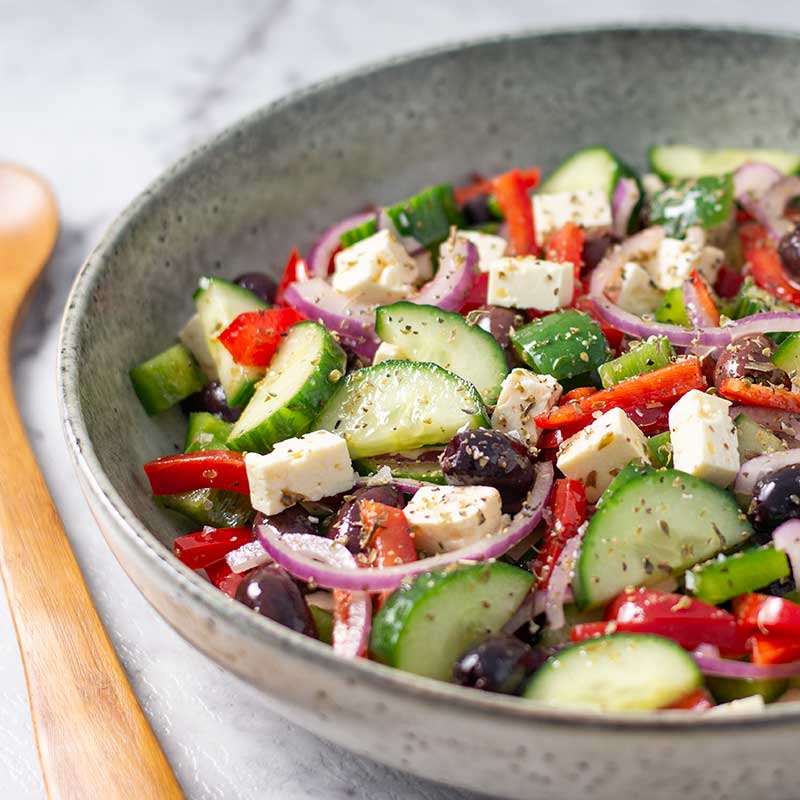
294 519
594 250
211 398
789 251
346 524
476 210
749 357
500 322
488 458
260 284
271 592
499 663
776 498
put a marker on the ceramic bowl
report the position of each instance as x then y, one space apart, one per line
278 178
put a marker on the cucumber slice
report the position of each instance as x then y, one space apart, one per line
657 524
302 376
218 303
419 465
193 336
206 432
166 379
590 168
400 405
787 356
726 577
213 507
674 162
622 672
624 477
426 333
424 628
753 440
427 216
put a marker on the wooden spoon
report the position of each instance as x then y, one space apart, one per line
93 738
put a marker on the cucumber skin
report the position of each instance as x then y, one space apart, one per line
622 170
297 414
389 624
485 345
430 473
582 583
479 419
787 356
551 664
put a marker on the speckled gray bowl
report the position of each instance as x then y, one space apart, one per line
280 176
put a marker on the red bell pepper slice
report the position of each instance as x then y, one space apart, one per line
530 176
204 469
515 202
568 505
774 649
704 297
686 621
253 337
699 700
661 387
198 550
768 614
752 236
767 271
295 270
224 578
728 282
565 246
477 294
756 394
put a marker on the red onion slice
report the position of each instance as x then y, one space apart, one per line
639 248
558 585
320 566
752 181
728 668
771 208
786 537
354 322
458 268
319 256
623 202
756 468
697 314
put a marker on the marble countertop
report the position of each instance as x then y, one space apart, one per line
100 97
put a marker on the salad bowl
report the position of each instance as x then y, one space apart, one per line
239 202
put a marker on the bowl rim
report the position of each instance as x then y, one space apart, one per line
197 591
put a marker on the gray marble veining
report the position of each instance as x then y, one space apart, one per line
100 97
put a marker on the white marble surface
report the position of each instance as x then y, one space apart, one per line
100 97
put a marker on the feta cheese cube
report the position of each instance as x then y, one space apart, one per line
307 468
676 258
490 248
704 439
637 292
528 282
588 208
375 270
445 518
596 454
524 395
388 352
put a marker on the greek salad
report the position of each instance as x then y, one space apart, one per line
536 436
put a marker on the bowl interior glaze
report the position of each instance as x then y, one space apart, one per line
282 175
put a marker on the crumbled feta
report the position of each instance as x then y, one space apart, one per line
388 352
307 468
446 518
744 705
637 293
490 248
524 395
588 208
596 454
704 439
676 258
375 270
528 282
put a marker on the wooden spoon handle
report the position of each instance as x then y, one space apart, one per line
94 740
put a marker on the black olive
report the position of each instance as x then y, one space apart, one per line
789 251
776 498
346 524
594 250
750 357
489 458
272 592
501 323
500 663
260 284
211 398
476 210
